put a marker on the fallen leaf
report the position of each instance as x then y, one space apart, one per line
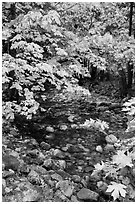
122 160
99 166
117 189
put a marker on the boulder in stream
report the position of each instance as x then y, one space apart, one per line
50 129
111 139
10 162
45 145
66 187
87 195
58 153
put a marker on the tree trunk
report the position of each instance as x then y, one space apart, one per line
130 18
129 65
122 83
12 11
130 75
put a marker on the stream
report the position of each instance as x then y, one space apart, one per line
54 142
64 112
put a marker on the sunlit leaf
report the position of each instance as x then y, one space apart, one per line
99 166
116 190
122 160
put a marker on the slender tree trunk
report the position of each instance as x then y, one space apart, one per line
13 11
130 18
129 65
12 15
122 83
130 75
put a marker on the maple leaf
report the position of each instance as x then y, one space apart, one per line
122 160
110 170
102 124
131 126
117 189
98 168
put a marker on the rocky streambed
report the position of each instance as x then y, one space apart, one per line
51 158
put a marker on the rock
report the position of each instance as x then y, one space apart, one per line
74 149
76 178
62 164
64 149
18 149
14 132
48 163
74 126
80 168
41 157
63 127
6 174
60 195
109 148
10 162
25 192
63 174
95 177
71 118
34 178
50 129
80 140
99 149
65 187
102 108
73 141
74 199
89 169
87 195
56 177
46 178
81 162
33 153
34 143
50 152
83 148
58 153
102 186
24 169
14 153
69 156
39 169
52 183
111 139
45 145
84 182
37 161
50 136
8 190
126 181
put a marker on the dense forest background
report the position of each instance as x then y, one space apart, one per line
69 47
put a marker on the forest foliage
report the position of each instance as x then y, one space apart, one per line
38 38
55 44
